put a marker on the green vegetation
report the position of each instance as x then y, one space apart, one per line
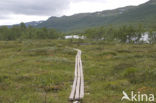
121 34
22 32
42 71
35 72
37 64
124 34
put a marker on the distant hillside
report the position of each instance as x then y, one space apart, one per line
144 14
33 23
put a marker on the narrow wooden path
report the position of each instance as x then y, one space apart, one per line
77 92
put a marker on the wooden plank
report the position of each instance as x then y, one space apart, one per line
82 81
76 65
71 97
77 95
77 92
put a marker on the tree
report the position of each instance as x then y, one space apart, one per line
152 37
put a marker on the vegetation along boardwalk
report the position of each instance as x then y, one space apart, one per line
77 92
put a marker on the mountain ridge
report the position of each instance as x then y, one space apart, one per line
141 14
144 14
31 23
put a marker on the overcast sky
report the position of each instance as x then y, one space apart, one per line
16 11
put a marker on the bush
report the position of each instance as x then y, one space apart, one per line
135 75
131 74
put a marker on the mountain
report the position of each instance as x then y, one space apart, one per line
144 14
33 23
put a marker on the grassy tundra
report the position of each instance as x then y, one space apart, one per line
42 71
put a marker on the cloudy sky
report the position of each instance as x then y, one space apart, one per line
16 11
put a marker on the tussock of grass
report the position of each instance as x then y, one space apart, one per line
43 70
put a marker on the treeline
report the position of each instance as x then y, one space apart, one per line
124 34
23 32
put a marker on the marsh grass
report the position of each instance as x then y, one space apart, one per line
42 71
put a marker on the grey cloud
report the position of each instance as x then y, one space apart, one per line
89 0
36 7
4 17
33 7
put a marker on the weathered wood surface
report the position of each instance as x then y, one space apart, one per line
77 92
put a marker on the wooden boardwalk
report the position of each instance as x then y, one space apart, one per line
77 92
